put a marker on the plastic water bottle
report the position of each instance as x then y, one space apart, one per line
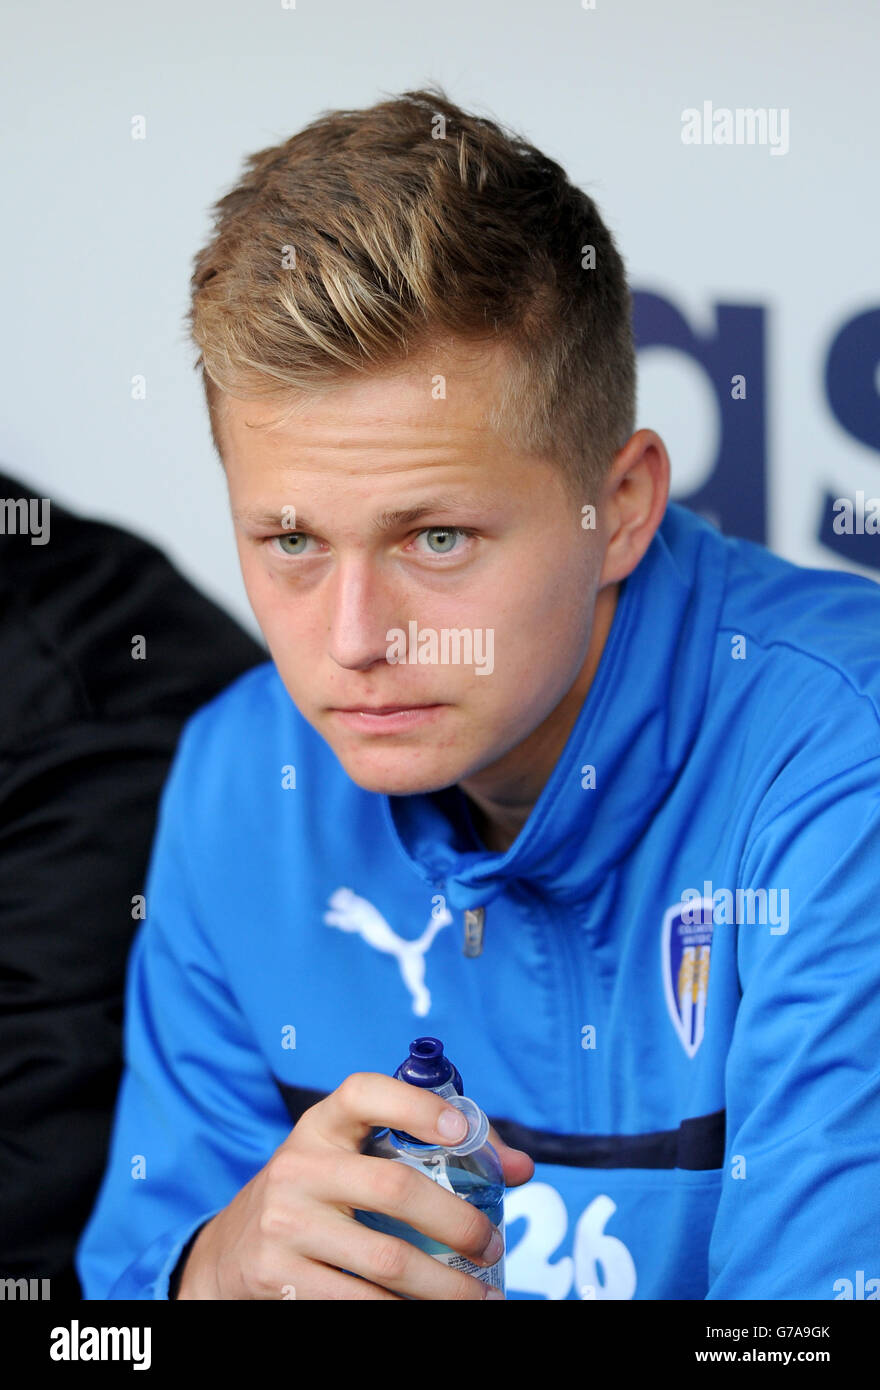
471 1169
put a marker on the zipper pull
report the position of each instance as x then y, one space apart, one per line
474 925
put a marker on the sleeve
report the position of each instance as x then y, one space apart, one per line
799 1212
197 1113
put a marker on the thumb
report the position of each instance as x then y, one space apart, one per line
518 1167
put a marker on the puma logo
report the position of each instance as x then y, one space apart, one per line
351 913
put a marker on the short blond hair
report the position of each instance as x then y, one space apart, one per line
372 234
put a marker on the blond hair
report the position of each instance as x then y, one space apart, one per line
372 234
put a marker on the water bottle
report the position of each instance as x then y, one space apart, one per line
471 1168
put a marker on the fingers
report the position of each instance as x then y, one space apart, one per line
304 1280
396 1192
386 1261
367 1099
326 1284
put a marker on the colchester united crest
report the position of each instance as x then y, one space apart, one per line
686 947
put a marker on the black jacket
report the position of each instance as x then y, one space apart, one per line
86 738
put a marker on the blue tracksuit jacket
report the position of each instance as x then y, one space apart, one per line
701 1097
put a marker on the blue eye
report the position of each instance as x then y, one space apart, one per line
448 536
295 543
294 536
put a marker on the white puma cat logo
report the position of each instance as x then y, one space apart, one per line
351 913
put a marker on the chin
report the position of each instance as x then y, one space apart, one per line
397 777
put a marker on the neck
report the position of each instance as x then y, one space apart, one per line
502 796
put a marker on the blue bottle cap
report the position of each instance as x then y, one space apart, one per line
426 1066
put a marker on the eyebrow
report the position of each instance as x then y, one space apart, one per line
385 521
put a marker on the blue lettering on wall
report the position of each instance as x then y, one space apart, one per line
851 389
736 490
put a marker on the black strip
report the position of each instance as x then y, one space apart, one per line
177 1272
697 1144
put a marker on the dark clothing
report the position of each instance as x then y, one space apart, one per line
87 733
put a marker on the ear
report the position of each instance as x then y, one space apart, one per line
633 503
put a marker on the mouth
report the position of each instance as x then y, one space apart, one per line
377 709
386 718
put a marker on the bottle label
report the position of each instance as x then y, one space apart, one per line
494 1275
389 1225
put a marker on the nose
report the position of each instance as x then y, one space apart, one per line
361 614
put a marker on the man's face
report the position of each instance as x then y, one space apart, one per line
498 560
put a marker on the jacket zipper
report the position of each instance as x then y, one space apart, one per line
565 965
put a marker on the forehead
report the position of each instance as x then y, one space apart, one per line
441 395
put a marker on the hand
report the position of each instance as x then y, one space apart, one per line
292 1227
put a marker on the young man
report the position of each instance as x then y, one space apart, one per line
515 701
